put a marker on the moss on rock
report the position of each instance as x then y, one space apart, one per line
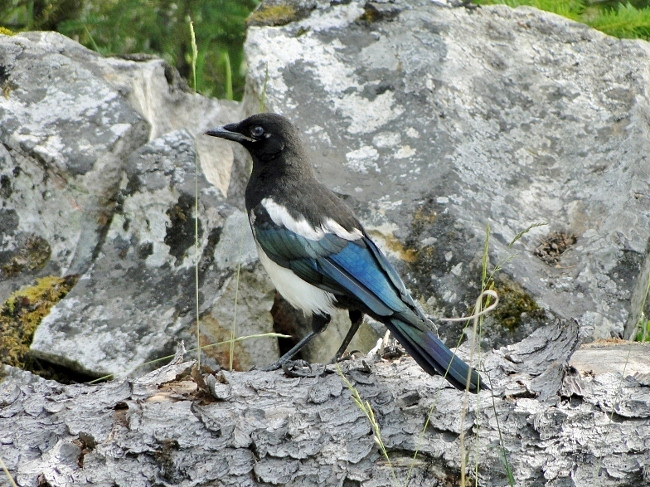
273 15
514 304
21 314
32 256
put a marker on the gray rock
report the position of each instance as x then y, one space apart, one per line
65 135
138 296
65 144
155 90
434 121
241 306
82 194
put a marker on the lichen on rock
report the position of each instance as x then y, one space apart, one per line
21 314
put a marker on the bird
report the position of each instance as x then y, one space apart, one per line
318 255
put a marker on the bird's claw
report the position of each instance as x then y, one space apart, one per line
301 368
296 368
271 367
340 358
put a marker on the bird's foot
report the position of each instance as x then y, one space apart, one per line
342 357
272 367
301 368
296 368
393 352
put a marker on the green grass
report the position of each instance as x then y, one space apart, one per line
618 19
157 27
643 335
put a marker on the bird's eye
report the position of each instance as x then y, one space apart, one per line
257 131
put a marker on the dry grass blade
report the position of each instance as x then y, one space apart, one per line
6 471
366 409
196 210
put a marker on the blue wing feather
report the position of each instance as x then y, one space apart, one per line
349 267
360 262
348 282
389 269
358 269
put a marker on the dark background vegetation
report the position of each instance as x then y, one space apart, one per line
161 28
157 27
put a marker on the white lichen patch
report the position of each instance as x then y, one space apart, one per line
362 159
320 133
119 129
51 150
274 50
404 152
148 222
338 17
365 115
271 52
411 132
385 204
386 139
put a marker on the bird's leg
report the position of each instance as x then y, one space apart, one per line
318 324
356 318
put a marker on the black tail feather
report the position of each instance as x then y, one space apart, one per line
434 357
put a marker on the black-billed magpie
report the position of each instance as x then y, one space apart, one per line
318 255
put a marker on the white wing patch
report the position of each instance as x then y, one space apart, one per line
330 226
299 293
281 216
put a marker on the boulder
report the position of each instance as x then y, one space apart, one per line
433 122
138 297
65 135
97 172
70 118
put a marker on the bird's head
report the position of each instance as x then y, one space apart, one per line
265 135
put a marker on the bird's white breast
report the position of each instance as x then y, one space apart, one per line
299 293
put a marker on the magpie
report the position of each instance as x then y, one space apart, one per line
319 256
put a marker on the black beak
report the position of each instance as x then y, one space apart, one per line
229 132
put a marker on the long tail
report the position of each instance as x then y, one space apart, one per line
434 357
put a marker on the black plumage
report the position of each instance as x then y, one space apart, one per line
318 254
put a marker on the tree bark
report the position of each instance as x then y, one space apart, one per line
558 424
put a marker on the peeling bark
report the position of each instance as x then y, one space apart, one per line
561 425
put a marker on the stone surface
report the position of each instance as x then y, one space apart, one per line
65 143
97 179
243 302
174 426
155 91
434 121
65 134
138 298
